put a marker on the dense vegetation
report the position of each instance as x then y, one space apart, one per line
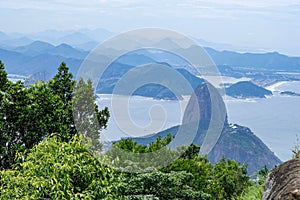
30 113
44 156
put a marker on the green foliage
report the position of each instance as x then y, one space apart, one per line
151 183
263 173
165 186
129 145
229 179
13 121
62 86
3 76
128 155
199 167
62 83
296 149
138 197
3 98
61 166
58 170
190 152
89 120
29 114
256 187
253 192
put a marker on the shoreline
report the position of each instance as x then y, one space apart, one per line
273 87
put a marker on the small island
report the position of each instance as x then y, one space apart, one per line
290 93
247 89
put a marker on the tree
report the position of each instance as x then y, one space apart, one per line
13 122
198 165
3 77
89 120
256 186
165 186
229 179
55 169
29 114
63 85
128 155
3 96
226 179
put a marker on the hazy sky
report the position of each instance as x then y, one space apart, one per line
269 24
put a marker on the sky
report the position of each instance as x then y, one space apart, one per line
271 25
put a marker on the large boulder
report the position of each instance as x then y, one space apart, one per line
284 182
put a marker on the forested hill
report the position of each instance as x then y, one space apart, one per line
247 89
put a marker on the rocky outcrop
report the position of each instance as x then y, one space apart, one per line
284 182
207 109
241 144
205 105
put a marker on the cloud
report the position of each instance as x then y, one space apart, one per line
252 3
182 8
236 9
63 4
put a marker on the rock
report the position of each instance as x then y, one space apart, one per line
284 182
230 140
241 144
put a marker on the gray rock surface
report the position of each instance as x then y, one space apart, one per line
284 182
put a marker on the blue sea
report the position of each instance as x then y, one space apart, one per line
275 120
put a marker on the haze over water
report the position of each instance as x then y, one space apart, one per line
275 120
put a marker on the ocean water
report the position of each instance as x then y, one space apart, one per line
275 120
143 116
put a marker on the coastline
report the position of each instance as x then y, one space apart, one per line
273 87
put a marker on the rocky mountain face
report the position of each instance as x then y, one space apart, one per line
241 144
284 182
216 136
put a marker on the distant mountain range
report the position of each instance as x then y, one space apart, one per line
42 53
30 62
83 39
271 61
38 47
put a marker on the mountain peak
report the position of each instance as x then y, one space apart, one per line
35 47
38 43
64 45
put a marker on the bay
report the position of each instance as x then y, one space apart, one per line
275 120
